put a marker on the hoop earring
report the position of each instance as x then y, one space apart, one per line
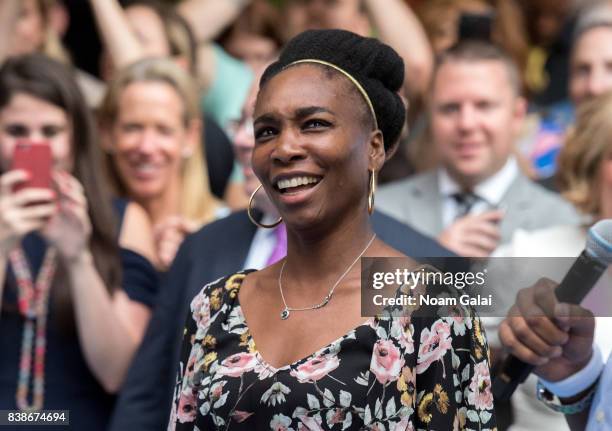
371 192
255 222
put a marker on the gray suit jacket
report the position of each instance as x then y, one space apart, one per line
417 202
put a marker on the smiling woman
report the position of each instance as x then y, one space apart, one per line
151 132
75 297
286 347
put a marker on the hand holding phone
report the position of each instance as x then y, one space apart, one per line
34 158
27 200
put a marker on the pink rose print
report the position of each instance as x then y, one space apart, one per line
187 407
200 307
455 316
309 423
405 329
480 387
280 422
216 391
434 345
172 421
386 361
262 370
238 364
240 416
316 368
455 312
405 424
335 416
194 357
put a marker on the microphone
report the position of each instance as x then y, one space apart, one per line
578 281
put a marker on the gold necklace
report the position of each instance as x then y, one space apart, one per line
284 315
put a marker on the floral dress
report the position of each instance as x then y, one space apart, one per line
393 373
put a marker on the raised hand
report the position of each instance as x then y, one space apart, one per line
70 228
473 235
168 236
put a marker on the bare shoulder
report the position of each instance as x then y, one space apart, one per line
137 232
259 283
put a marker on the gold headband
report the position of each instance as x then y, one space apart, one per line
349 76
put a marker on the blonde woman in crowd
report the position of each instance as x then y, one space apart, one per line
151 133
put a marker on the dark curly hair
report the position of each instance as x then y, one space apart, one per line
376 66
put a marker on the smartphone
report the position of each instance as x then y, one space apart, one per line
35 158
477 26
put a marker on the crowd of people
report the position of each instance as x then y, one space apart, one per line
205 176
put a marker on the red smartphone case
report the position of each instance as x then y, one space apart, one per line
35 158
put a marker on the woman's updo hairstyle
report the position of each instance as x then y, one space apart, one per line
374 65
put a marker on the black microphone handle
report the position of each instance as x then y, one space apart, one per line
580 279
576 284
512 373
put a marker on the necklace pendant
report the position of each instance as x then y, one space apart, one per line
326 300
284 314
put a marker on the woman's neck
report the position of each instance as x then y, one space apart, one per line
164 205
314 263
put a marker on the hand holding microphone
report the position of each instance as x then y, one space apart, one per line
546 329
556 338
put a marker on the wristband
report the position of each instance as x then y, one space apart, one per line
579 381
553 402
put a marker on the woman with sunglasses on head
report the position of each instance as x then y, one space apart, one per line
75 289
267 348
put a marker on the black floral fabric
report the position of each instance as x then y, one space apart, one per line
389 373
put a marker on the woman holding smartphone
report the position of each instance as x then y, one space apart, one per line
76 290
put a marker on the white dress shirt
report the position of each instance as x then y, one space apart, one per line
262 246
600 414
490 191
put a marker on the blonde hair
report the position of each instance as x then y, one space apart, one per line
587 146
197 202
